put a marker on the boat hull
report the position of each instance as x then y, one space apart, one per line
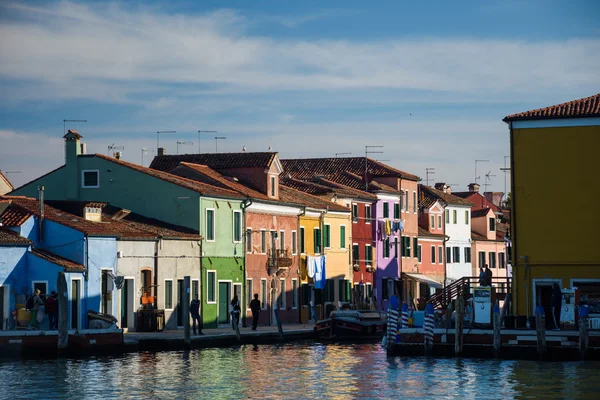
343 329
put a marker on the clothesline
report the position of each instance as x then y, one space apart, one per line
379 219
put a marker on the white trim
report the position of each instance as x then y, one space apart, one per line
357 218
214 224
368 220
261 241
534 283
392 197
165 295
80 297
251 241
434 247
46 282
294 242
233 227
278 166
441 251
215 289
97 171
217 282
366 259
419 250
257 207
314 213
341 213
415 206
321 245
240 298
555 123
263 305
295 295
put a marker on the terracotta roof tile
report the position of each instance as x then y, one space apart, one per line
306 168
477 237
68 265
450 199
10 238
480 213
14 216
582 108
426 233
217 161
74 133
345 190
293 196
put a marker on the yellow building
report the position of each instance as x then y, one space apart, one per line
555 169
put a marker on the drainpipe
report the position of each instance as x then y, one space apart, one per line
513 212
156 248
245 204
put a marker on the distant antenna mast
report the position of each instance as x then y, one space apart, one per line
488 178
199 132
113 147
367 152
183 143
506 171
429 171
339 154
478 161
70 120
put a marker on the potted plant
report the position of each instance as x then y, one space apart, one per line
356 267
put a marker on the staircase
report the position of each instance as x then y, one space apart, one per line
464 286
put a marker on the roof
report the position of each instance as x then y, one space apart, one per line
10 238
39 177
58 260
478 200
216 161
481 238
71 133
293 196
480 213
5 179
426 201
450 199
586 107
345 190
306 168
202 188
325 187
13 216
357 182
426 233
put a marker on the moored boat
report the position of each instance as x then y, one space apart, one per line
352 324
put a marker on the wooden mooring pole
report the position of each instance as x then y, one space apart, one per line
497 329
63 311
540 326
186 310
428 327
458 335
583 331
279 326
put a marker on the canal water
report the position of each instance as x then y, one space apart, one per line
293 371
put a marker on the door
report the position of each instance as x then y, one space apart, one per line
2 308
127 304
544 296
179 302
224 296
75 303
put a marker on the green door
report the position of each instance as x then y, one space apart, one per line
224 293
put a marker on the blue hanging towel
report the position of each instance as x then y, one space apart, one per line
320 272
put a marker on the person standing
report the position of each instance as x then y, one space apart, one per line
235 311
37 302
255 308
556 303
488 276
195 312
481 277
51 308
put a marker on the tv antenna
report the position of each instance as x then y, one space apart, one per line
217 138
506 171
367 152
199 132
114 147
183 143
339 154
158 136
478 161
429 171
488 178
145 150
70 120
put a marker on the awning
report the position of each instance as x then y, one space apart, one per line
425 279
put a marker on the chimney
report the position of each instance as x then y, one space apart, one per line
162 151
441 186
82 148
474 187
72 151
448 190
494 197
118 155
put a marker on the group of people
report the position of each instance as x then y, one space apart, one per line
36 306
234 310
485 276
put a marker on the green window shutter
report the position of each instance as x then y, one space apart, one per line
302 249
317 240
397 211
396 247
415 244
342 237
341 288
386 210
348 290
386 247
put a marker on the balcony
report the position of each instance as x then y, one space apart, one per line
279 261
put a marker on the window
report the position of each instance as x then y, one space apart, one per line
396 247
492 224
294 293
439 221
440 254
433 254
354 212
368 254
342 237
447 217
302 249
237 226
406 200
42 285
294 242
405 251
263 293
90 179
282 240
355 254
415 242
369 289
386 210
492 256
456 255
210 225
448 255
386 248
281 298
482 259
211 283
368 214
454 219
195 289
466 217
249 292
467 254
317 240
414 202
327 236
419 258
432 221
402 200
396 211
273 241
501 260
249 240
263 241
273 183
169 295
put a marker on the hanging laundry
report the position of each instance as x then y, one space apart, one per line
388 227
401 225
310 266
320 274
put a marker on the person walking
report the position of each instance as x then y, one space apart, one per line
51 308
37 303
556 303
488 276
234 308
255 308
481 277
195 312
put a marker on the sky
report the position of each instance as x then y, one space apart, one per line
429 81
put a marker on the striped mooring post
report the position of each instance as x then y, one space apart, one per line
404 315
392 325
428 325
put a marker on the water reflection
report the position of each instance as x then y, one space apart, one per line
298 371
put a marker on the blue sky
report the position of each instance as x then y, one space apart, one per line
430 81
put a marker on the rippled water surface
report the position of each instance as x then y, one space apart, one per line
305 370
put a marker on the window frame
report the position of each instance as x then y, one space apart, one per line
263 241
386 247
281 300
432 221
83 185
492 259
249 293
294 293
368 215
406 201
326 236
454 217
502 256
395 246
433 254
282 240
481 264
214 233
294 243
440 254
355 214
342 237
414 202
355 260
197 282
249 243
419 254
368 254
396 210
468 253
171 307
214 296
302 239
466 217
317 245
273 186
447 216
448 255
492 224
439 218
33 282
264 293
239 230
386 209
456 254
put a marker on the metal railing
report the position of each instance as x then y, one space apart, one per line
280 259
464 287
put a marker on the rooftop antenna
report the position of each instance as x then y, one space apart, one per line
70 120
379 160
478 161
429 171
488 178
339 154
183 143
157 138
199 132
367 152
506 171
112 147
217 138
145 150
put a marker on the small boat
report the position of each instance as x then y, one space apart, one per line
352 324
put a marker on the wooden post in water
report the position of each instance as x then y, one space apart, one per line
583 331
63 311
186 310
279 327
540 326
428 327
458 335
497 329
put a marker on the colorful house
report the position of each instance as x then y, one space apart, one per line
552 145
489 247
